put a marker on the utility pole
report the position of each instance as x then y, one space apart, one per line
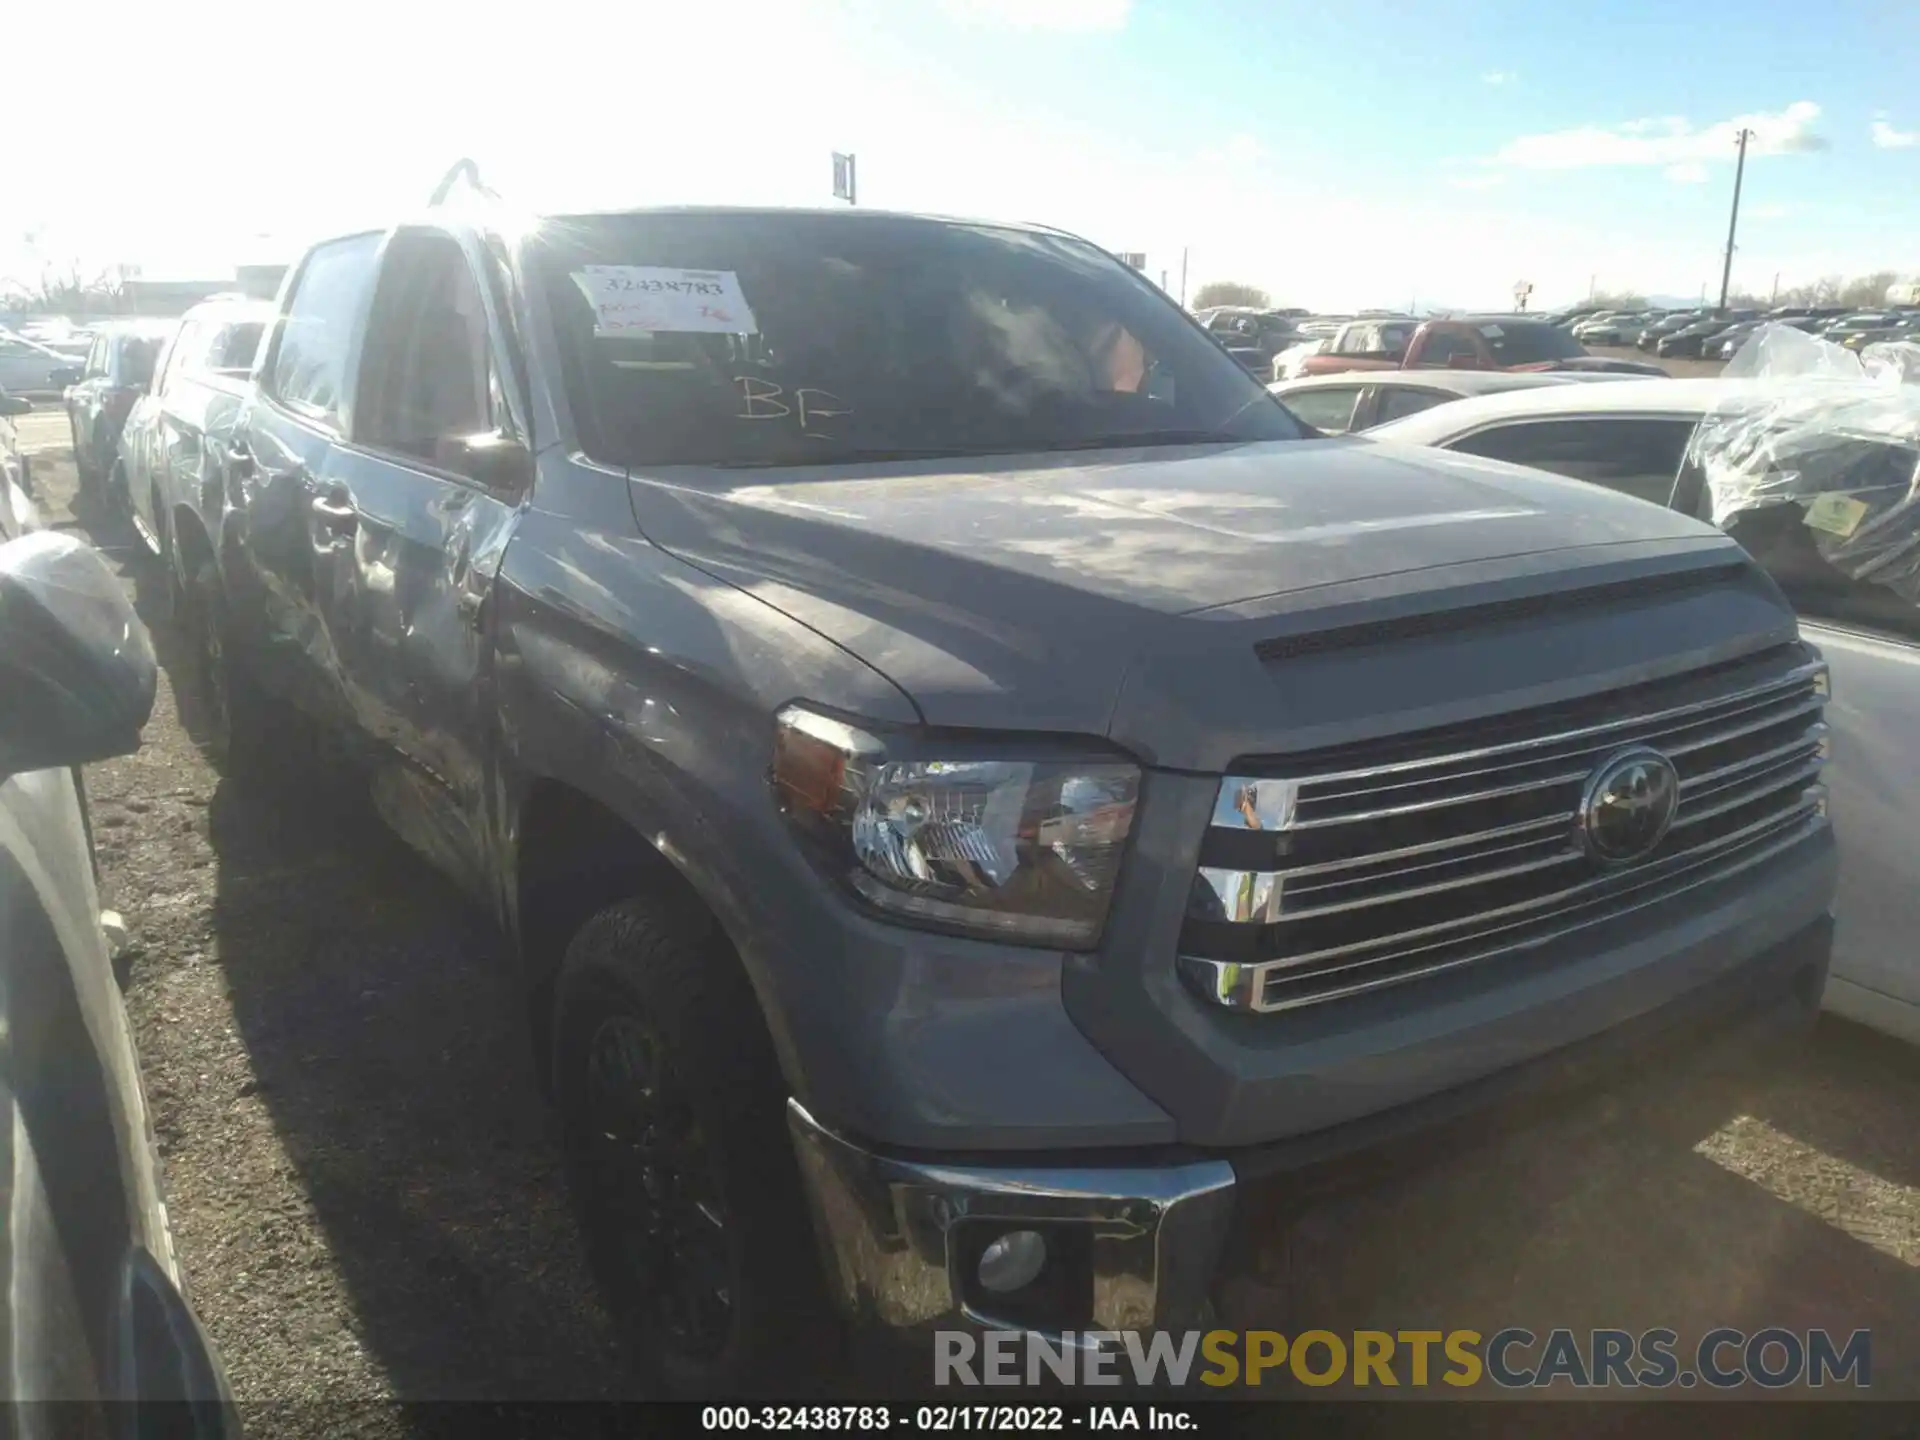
1733 220
1183 277
1593 284
1776 289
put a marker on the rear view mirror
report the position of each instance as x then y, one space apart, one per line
76 666
492 460
11 405
64 376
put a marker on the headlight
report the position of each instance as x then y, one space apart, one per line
971 835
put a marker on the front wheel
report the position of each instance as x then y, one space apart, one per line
233 725
678 1157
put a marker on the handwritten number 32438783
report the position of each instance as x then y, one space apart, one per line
763 400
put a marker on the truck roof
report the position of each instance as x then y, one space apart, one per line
488 215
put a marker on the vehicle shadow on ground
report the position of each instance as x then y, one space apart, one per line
388 1043
1746 1203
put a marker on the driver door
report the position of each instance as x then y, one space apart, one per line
416 541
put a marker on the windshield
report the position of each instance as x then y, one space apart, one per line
1518 343
803 339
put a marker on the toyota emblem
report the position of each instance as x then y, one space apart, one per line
1628 806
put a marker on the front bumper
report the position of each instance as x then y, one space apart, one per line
1150 1232
899 1233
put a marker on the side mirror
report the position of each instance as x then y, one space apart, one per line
499 463
76 666
11 405
64 376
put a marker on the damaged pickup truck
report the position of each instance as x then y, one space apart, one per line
977 796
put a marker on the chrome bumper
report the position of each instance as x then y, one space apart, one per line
893 1231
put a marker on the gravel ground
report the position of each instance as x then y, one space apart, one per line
366 1188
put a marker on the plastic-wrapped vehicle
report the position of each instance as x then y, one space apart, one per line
1807 455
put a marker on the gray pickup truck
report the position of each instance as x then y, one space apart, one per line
978 798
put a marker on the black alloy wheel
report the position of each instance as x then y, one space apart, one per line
652 1170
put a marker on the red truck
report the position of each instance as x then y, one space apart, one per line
1487 342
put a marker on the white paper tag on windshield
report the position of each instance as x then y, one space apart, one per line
1492 332
635 299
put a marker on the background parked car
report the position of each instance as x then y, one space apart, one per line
1634 439
1608 321
1358 400
170 446
1723 345
90 1296
1692 339
27 365
1320 327
1907 327
1848 325
17 514
100 394
1240 328
1655 330
1620 330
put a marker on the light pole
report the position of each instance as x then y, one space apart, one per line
1733 220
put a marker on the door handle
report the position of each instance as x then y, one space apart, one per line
335 515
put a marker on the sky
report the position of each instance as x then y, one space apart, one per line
1340 155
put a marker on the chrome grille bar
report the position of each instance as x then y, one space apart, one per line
1250 987
1345 891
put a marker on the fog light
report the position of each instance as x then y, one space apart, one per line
1013 1261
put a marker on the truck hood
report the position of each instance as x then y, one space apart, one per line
1026 582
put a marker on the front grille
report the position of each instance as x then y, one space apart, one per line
1330 875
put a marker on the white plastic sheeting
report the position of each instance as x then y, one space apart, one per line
1830 432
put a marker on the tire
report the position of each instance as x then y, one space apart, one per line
678 1158
82 476
235 716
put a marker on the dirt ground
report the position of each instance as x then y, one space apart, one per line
366 1187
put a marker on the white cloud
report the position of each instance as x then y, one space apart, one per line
1067 15
1687 172
1479 180
1500 77
1888 138
1670 140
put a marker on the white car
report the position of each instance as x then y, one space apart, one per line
26 365
91 1302
1616 329
1634 439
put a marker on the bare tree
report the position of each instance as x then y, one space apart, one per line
1231 292
1868 292
67 289
1618 300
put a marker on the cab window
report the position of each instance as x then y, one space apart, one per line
426 377
1328 409
309 370
1638 457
